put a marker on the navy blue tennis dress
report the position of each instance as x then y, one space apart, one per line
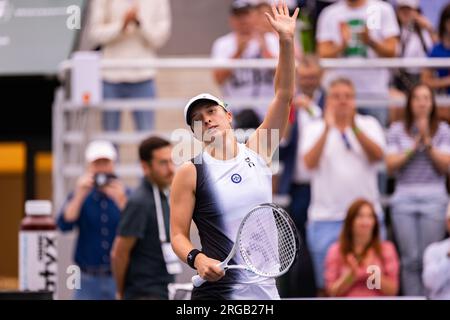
226 191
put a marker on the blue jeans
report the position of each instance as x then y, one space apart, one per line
96 288
144 120
320 236
417 221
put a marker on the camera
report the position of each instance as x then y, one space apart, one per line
102 179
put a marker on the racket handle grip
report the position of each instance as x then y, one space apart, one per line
198 281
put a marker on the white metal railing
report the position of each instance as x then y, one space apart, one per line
208 63
178 104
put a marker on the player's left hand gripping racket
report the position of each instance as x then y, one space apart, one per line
267 242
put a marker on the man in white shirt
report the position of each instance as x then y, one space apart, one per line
436 267
129 29
342 151
246 41
360 29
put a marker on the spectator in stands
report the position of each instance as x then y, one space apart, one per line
436 267
360 29
440 79
129 29
142 241
419 155
416 39
342 151
94 209
246 41
360 264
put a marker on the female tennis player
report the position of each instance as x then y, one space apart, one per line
222 184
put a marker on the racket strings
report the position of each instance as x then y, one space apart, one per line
267 242
287 245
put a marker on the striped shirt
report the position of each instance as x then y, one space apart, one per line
419 170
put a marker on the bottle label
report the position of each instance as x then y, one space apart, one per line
38 260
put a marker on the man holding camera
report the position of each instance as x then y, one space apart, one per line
94 208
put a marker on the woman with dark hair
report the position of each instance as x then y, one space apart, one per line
360 264
419 156
440 81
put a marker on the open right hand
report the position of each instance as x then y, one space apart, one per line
281 22
207 268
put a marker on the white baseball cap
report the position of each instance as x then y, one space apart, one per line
201 96
100 149
259 2
237 5
415 4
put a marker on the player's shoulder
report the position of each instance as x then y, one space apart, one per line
187 168
262 160
186 175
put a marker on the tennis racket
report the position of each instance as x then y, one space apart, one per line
266 241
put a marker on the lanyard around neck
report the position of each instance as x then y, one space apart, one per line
159 214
